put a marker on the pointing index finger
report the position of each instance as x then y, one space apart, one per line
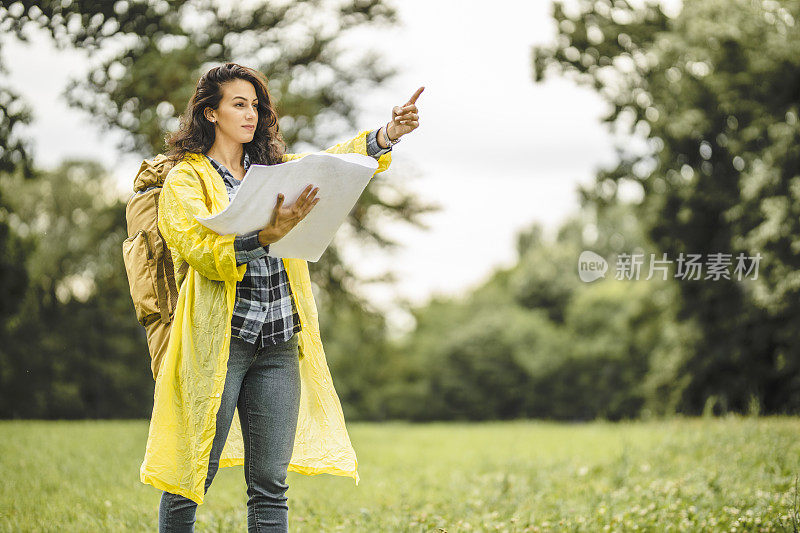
413 99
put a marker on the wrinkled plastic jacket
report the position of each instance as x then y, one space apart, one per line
189 385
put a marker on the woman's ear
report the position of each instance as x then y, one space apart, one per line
209 114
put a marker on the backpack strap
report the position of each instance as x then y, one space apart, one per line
205 192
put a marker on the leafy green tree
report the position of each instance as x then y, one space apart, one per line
74 349
151 52
534 341
540 280
713 91
14 158
141 87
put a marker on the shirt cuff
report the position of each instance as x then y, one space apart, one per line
373 148
248 248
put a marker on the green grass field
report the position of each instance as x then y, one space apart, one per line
731 474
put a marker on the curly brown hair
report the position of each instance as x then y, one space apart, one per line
196 134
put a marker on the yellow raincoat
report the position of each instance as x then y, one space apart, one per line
189 385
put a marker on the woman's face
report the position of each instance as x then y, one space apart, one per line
237 114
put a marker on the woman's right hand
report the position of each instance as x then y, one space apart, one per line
285 218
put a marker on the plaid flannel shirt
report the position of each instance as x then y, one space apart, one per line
264 311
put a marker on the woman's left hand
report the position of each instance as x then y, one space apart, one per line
405 118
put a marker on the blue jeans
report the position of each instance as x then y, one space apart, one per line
265 385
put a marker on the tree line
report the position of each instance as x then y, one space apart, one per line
713 91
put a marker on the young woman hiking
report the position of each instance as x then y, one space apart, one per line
244 380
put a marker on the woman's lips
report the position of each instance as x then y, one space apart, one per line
251 128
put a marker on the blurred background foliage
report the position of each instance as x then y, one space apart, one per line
712 92
715 93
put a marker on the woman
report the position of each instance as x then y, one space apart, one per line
245 336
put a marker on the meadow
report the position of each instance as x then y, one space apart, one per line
681 474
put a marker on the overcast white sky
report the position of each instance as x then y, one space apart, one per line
497 151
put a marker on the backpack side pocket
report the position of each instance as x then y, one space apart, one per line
141 267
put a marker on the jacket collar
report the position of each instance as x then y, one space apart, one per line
210 176
225 172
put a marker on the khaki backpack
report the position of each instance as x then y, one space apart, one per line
148 260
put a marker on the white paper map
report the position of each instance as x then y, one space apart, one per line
341 179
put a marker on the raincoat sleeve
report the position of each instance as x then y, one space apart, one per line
209 253
356 145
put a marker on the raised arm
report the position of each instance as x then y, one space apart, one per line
356 145
405 119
